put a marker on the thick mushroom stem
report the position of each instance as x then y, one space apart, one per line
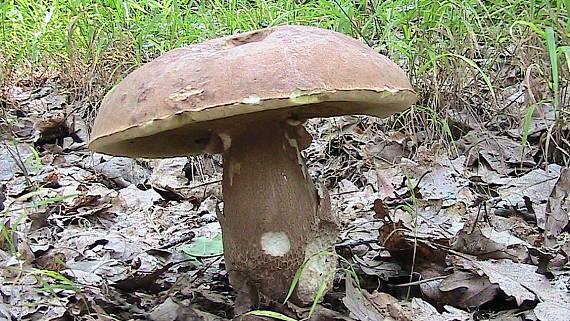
274 218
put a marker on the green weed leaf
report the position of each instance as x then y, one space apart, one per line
205 247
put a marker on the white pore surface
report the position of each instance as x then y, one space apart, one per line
275 243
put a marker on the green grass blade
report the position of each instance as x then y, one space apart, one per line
320 292
271 314
566 51
526 128
551 46
52 200
531 25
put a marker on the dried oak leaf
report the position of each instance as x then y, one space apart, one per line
51 127
522 282
536 186
557 208
143 281
360 307
486 242
461 289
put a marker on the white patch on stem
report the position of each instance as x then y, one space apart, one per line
275 243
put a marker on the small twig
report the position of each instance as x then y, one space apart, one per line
421 178
183 239
355 243
201 185
417 282
205 267
343 193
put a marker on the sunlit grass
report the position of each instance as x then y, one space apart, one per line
39 31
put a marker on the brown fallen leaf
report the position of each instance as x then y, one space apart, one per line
423 311
12 161
121 171
359 306
414 310
523 283
83 200
169 310
380 210
535 185
486 242
383 306
26 300
93 214
168 178
323 314
132 198
437 177
462 120
389 147
142 281
557 208
461 289
52 126
23 129
501 153
54 259
51 180
404 246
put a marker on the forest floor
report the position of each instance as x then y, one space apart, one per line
479 233
456 209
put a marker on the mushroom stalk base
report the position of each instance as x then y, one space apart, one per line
274 218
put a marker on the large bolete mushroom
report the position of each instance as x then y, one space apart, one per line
246 96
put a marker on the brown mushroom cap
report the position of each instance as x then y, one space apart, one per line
171 105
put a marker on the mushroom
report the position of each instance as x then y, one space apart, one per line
246 96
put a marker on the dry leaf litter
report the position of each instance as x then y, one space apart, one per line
475 231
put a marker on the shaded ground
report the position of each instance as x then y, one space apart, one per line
473 231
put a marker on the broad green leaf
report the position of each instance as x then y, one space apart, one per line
205 247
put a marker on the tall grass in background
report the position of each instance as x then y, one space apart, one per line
460 55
